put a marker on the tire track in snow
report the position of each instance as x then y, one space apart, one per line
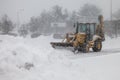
94 54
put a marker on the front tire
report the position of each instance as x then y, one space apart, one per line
97 46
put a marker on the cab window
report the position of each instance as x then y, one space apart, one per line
82 28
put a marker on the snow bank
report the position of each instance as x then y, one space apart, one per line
35 59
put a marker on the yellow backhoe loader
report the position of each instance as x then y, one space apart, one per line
87 35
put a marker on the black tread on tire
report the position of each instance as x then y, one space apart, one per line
95 48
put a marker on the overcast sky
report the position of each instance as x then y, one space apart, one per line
29 8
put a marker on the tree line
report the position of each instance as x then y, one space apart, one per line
42 24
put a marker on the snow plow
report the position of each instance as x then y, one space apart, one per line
87 35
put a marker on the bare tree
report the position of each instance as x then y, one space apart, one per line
34 24
89 10
73 17
46 19
23 30
59 14
116 23
6 24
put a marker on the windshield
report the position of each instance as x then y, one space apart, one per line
82 28
86 28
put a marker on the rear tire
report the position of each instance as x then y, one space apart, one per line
97 46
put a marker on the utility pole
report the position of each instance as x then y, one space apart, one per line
18 22
111 19
113 23
18 17
111 10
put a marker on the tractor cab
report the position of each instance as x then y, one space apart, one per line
87 28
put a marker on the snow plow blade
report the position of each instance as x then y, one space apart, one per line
61 44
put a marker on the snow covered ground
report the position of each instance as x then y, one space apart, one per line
35 59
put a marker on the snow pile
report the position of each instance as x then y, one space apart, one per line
35 59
